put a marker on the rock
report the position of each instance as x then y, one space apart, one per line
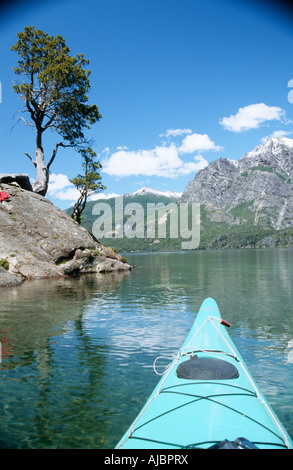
257 189
7 279
29 266
109 265
39 240
22 180
109 253
71 268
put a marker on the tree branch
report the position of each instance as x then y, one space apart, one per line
31 111
25 121
22 119
51 119
60 144
33 162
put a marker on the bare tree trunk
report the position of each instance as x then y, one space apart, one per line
41 184
79 207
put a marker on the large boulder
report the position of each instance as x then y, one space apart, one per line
21 180
7 279
39 240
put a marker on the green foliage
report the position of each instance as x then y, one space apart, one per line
54 84
87 183
54 88
269 169
243 211
4 263
90 181
282 177
213 235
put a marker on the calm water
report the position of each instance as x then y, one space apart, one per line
77 354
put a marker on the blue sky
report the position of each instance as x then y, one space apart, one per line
179 83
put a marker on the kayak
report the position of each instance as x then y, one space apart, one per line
206 398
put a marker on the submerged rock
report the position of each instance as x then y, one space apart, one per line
39 240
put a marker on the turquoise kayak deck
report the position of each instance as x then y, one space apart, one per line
201 412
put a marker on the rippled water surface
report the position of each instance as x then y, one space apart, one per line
77 354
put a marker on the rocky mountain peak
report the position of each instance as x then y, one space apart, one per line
273 144
255 190
273 150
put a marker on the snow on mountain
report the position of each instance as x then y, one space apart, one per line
274 145
257 190
147 190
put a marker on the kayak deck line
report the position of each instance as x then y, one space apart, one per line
197 444
210 318
218 351
211 398
188 410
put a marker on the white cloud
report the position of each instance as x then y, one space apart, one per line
252 117
197 142
58 182
191 167
61 188
160 161
176 132
164 160
276 134
95 197
201 162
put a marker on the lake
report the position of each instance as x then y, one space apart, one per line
77 353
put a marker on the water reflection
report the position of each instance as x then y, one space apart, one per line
52 371
78 353
38 310
290 352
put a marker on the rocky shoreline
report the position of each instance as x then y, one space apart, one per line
38 240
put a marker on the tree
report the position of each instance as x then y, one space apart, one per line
87 184
54 89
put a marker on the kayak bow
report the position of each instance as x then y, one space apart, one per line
206 398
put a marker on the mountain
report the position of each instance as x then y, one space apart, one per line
246 203
252 194
143 197
255 189
146 190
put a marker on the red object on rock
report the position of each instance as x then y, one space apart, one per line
3 196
